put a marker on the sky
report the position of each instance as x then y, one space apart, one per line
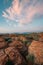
21 16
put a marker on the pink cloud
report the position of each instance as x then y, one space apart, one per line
40 9
13 10
17 8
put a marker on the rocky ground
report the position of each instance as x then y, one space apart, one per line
14 51
21 50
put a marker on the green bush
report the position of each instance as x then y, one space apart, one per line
30 58
8 39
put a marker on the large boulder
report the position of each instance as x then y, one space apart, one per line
13 52
1 39
15 56
3 44
3 58
20 46
41 37
36 48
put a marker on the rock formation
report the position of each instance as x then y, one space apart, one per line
36 48
14 52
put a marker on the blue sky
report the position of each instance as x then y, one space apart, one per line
21 16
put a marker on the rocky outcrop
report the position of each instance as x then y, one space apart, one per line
20 46
3 44
15 56
41 37
36 48
3 57
14 52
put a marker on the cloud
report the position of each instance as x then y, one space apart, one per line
23 11
13 10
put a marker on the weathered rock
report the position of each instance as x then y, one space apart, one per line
1 39
22 38
3 58
20 46
41 37
15 56
14 52
3 44
36 48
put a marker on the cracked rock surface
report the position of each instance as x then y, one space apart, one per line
13 51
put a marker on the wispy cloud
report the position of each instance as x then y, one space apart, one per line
15 9
23 11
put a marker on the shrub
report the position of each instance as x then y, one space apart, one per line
30 58
8 39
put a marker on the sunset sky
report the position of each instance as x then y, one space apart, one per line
21 16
